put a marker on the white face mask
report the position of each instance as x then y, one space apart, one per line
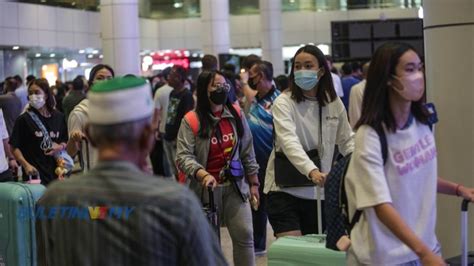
413 86
37 101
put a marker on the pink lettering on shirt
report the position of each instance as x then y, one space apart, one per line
415 156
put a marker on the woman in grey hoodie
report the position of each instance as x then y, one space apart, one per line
212 140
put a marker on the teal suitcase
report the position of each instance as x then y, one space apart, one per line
17 227
304 250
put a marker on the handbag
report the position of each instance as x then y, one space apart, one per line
63 159
286 174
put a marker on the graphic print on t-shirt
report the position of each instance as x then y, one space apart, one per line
172 110
220 150
52 134
409 159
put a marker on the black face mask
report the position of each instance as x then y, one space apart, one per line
252 83
218 96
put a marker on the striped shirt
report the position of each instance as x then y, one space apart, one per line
117 215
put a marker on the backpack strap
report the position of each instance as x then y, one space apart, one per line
193 121
237 108
384 147
383 142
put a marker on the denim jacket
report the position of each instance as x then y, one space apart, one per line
192 153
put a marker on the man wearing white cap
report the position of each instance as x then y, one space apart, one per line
159 222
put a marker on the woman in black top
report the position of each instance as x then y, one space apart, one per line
27 140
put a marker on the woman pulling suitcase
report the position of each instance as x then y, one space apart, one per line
215 148
398 199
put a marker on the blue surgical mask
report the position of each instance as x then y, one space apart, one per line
306 79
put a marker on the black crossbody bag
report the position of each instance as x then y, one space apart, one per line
286 175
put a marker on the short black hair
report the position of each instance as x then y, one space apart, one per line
266 68
250 60
30 78
19 80
282 82
346 68
209 62
78 84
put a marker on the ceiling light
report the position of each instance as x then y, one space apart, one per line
178 5
37 55
90 56
95 51
82 51
16 47
52 55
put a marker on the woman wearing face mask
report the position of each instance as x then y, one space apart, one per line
308 117
27 140
397 198
219 135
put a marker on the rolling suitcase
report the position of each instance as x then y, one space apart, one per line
84 165
305 250
210 211
17 226
466 258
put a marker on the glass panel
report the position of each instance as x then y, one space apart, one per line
91 5
323 5
243 7
167 9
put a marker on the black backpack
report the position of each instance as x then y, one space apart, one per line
336 210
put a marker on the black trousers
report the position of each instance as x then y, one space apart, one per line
6 176
158 160
259 217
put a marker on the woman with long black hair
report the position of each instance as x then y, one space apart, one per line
309 121
395 188
215 148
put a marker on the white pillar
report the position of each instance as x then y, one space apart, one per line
120 35
271 35
215 26
449 61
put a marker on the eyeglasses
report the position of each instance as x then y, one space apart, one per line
221 86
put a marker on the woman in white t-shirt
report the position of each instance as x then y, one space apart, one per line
398 197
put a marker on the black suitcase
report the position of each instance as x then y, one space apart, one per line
85 166
466 258
210 210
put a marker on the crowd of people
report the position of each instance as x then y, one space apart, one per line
153 142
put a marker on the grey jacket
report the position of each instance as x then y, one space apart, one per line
192 152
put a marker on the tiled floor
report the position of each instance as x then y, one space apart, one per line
227 246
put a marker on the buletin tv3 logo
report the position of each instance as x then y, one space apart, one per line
71 212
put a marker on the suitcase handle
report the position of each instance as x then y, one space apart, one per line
33 180
465 205
212 204
464 233
84 165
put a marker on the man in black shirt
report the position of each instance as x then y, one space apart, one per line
181 101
